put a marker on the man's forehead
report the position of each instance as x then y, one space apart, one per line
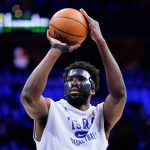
79 72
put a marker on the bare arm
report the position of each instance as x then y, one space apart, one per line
31 96
115 101
35 104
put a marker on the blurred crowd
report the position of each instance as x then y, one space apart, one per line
16 128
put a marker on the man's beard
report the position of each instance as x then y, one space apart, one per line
79 99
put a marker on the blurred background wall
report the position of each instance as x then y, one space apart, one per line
126 28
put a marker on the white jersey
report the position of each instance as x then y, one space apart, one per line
68 128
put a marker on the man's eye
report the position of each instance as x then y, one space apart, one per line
81 79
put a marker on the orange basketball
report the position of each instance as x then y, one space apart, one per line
69 26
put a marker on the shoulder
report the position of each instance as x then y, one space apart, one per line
97 110
98 107
57 104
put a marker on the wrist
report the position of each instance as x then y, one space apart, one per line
101 43
61 48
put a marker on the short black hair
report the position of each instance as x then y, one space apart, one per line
91 69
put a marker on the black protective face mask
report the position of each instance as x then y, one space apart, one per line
81 80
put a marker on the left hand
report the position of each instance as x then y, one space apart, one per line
94 27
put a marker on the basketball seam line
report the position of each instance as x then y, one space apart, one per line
66 32
70 19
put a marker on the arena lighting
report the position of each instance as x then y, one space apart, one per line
35 24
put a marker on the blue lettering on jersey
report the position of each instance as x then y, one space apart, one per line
82 124
88 137
75 125
80 134
81 128
85 123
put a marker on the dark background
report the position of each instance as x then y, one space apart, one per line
125 26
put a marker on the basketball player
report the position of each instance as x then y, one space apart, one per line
74 124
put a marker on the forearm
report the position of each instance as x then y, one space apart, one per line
113 74
37 80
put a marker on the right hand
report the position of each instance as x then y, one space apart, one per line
55 41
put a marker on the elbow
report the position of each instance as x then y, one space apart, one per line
122 92
123 95
25 97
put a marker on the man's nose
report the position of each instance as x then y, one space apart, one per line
75 81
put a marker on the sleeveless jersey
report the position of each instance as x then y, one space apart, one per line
68 128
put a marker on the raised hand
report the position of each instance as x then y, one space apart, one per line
55 41
95 31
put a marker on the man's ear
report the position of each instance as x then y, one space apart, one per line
92 92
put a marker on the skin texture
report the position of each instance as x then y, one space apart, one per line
38 106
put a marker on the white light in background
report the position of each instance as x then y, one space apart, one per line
35 20
8 20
